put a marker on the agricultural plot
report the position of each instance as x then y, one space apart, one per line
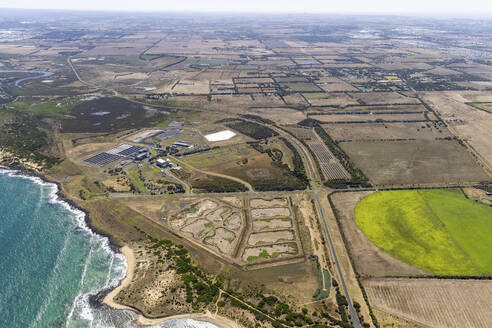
300 87
387 131
385 108
281 115
370 117
439 231
414 162
369 260
469 123
333 84
191 87
330 99
377 98
432 302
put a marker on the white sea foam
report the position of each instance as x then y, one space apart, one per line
51 283
79 217
104 318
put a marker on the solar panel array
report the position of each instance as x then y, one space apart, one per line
103 159
168 134
114 154
331 167
130 151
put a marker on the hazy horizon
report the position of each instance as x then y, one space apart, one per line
439 7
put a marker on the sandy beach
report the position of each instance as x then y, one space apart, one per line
130 269
217 320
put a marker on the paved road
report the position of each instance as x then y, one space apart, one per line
186 186
353 313
312 172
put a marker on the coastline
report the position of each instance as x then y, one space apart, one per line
130 269
219 321
30 173
106 295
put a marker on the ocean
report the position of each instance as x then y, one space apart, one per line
51 263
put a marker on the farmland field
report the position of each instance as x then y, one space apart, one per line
369 260
433 302
386 131
414 162
368 117
439 231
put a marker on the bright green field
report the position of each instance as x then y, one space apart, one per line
439 231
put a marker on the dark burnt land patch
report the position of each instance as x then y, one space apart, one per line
108 115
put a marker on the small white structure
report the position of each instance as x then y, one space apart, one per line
164 163
220 136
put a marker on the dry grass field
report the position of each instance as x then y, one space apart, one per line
331 84
281 115
433 302
384 98
369 117
414 162
410 108
332 99
386 131
469 123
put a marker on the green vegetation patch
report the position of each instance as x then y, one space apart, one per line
53 107
23 137
439 231
323 290
485 106
317 95
136 179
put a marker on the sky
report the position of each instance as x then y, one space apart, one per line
279 6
